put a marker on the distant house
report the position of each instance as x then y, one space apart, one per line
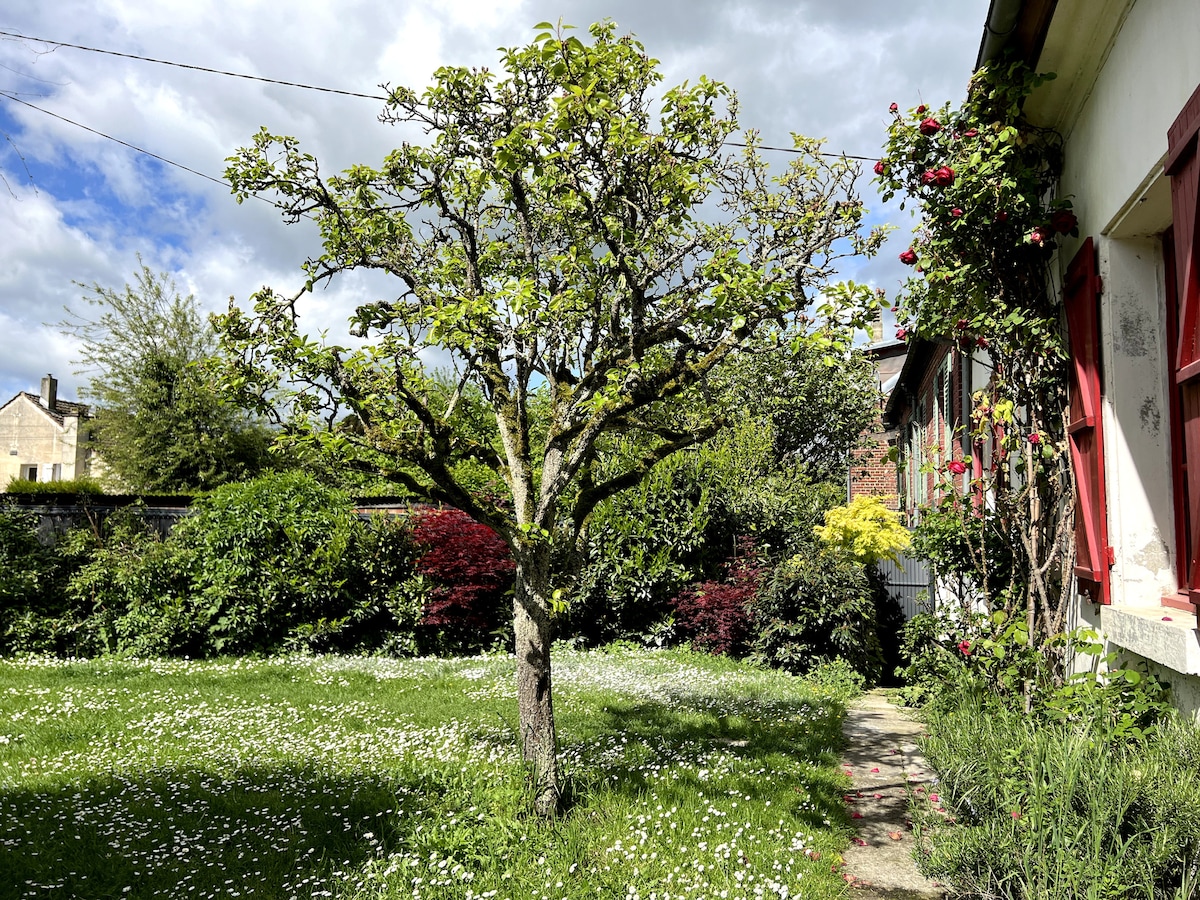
926 408
872 469
43 438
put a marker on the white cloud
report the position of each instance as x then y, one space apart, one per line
813 67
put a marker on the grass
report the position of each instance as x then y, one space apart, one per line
1059 811
692 777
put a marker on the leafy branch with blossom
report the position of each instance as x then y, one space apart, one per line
985 181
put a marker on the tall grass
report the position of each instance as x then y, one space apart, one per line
1060 810
348 777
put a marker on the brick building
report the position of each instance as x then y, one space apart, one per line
872 464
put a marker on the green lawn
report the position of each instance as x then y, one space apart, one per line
692 777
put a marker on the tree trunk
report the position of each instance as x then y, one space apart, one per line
531 626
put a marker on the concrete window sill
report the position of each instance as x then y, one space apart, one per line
1142 630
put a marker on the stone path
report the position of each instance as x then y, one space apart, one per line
880 757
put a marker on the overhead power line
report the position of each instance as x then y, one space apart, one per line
179 65
109 137
302 86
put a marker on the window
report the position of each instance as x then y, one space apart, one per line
29 473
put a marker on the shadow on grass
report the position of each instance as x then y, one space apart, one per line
785 748
192 833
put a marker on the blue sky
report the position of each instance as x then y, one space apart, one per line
76 208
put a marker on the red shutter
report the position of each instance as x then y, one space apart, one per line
1081 296
1183 167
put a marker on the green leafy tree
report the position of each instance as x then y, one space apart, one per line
160 426
814 405
585 250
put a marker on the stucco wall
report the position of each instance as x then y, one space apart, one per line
1126 69
29 436
1123 95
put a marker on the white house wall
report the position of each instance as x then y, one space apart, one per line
1127 67
29 436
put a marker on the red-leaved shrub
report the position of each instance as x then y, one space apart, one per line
715 614
469 570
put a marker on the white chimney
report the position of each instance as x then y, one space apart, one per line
50 392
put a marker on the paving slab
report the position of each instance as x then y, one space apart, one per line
884 764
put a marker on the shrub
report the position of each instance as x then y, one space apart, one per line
681 524
382 565
136 587
817 607
266 556
81 485
466 572
36 614
1059 810
278 562
642 547
715 615
866 530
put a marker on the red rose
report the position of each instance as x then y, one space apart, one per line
929 126
944 177
956 212
901 334
909 257
981 342
929 176
1035 438
962 324
964 647
957 466
970 132
1001 216
879 167
921 110
894 107
1063 221
1038 236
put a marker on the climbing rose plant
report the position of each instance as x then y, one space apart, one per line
985 181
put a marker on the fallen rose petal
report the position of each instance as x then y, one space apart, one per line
879 796
876 769
934 798
860 842
895 835
856 815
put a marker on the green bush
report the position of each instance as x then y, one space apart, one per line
280 562
818 606
36 613
680 526
135 587
267 556
81 485
1059 810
